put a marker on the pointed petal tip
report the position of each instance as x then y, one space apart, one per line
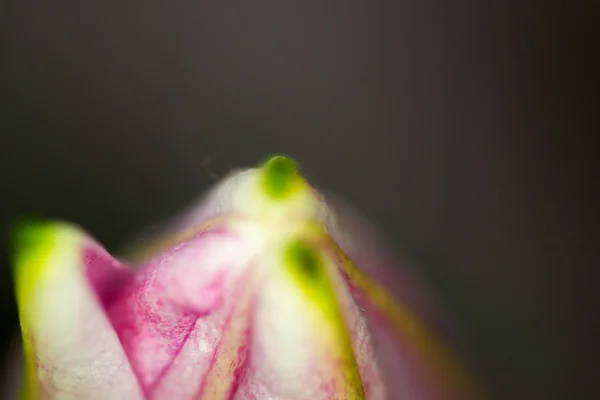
32 236
279 160
280 176
28 234
31 243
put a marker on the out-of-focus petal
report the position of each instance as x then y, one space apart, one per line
362 243
409 329
62 277
427 361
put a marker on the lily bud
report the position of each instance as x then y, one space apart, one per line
265 290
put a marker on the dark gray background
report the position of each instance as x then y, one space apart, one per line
465 130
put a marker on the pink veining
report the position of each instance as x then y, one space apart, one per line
172 340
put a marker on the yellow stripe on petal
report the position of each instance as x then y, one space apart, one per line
307 267
449 377
34 243
299 344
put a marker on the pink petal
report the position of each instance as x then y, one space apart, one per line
268 337
155 314
220 310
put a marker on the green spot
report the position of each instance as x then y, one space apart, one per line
304 260
28 233
280 176
30 238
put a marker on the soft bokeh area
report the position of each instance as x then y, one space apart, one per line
464 130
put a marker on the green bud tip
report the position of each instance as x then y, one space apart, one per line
280 176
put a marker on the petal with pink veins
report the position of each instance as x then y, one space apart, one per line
265 290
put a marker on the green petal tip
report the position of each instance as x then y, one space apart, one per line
280 176
28 236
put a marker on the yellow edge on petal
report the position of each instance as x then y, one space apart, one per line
34 245
453 380
306 265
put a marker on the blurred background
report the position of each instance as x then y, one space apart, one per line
465 130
